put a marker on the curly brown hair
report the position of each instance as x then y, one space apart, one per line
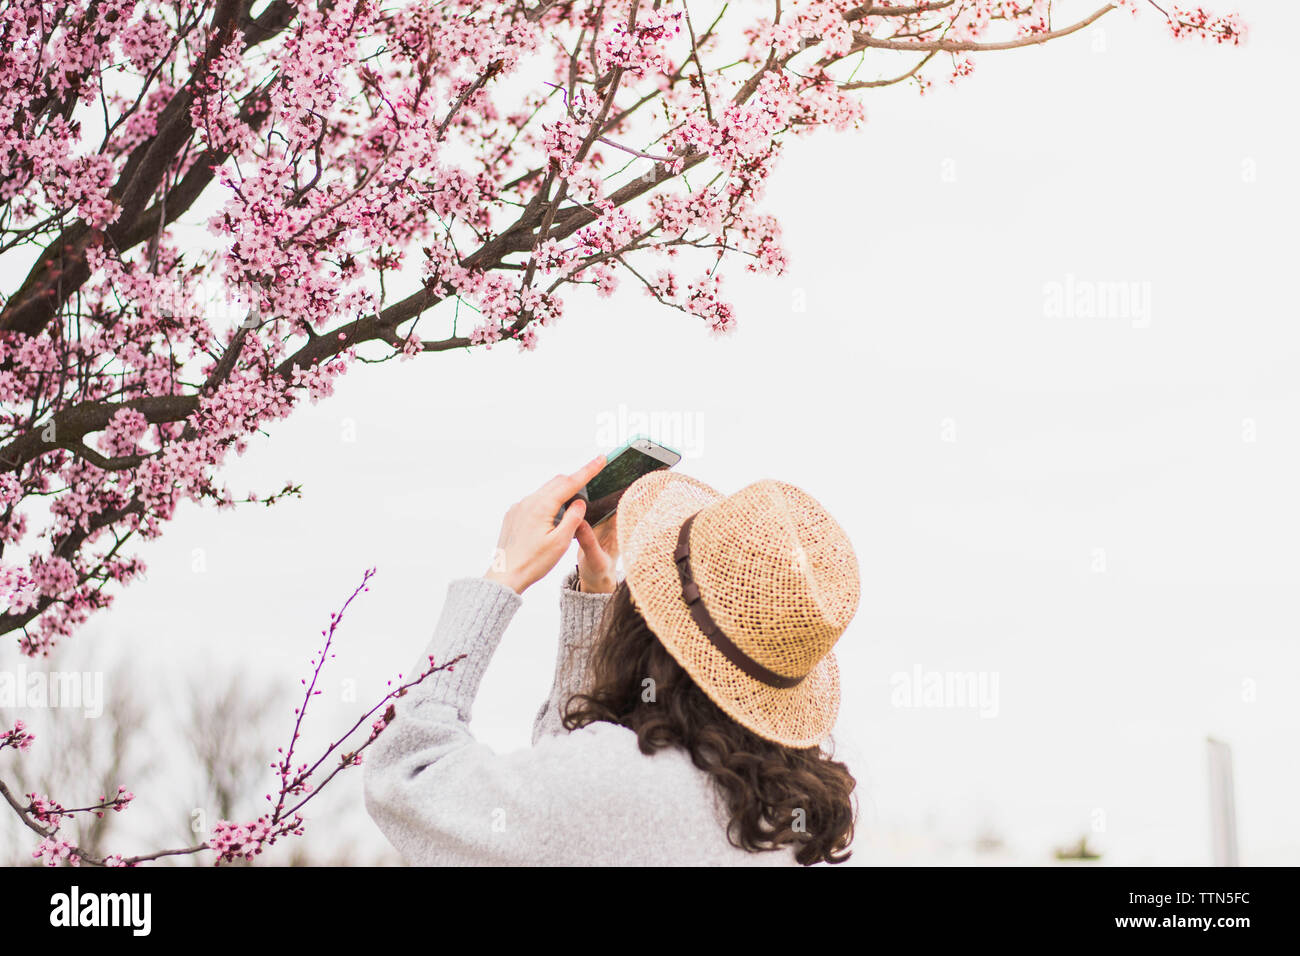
776 795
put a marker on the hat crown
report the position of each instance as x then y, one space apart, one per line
777 574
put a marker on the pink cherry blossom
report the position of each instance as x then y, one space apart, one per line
16 737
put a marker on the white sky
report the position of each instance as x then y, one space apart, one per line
921 248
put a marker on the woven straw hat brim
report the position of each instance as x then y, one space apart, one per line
650 516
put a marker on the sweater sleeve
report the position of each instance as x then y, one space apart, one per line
440 796
580 616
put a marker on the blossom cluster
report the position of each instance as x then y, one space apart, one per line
17 737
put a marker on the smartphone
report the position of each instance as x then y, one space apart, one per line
638 457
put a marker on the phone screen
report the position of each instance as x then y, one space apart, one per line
604 491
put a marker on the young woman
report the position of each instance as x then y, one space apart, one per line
690 702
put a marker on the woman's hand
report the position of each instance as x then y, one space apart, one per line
598 555
530 544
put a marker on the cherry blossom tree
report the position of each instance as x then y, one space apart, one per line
210 209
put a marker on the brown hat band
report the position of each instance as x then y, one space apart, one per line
701 616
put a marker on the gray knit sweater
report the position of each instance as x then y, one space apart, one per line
586 797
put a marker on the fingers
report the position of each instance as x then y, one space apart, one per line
563 487
587 541
572 518
588 471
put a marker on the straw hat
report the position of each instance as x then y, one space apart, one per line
749 593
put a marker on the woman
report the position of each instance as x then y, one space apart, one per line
690 701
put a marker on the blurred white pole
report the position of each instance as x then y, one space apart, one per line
1223 808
